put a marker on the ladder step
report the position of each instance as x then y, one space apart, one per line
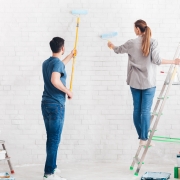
155 114
148 147
151 130
6 159
2 142
162 98
165 139
174 83
137 160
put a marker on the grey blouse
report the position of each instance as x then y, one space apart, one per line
141 72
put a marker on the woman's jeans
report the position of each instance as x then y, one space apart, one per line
142 101
53 115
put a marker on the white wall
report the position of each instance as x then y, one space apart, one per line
98 124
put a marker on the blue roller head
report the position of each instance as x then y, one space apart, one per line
79 12
109 35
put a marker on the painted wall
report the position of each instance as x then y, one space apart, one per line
98 125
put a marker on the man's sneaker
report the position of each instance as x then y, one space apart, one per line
57 171
52 177
143 143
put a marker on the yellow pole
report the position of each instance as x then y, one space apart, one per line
74 58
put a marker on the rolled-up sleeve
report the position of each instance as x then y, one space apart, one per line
155 53
59 67
122 49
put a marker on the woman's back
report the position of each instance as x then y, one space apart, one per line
141 72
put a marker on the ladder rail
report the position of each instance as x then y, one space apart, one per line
177 54
165 89
157 104
7 157
178 76
137 154
165 83
156 122
162 91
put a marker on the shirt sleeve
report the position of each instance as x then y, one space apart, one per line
155 57
122 49
59 67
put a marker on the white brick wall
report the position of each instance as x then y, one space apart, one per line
98 125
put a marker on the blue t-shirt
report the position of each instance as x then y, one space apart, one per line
51 94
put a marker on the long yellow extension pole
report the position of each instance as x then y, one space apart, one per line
74 58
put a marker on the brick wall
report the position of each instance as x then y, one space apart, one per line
98 124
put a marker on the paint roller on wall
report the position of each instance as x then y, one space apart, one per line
77 13
109 36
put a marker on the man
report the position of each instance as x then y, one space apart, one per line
53 103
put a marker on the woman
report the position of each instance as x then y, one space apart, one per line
143 54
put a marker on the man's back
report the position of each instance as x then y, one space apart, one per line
52 94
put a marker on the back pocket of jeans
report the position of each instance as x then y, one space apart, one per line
52 108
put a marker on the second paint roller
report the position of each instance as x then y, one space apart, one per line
108 36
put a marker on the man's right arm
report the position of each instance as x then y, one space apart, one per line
55 80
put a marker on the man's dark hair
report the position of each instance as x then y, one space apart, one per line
56 44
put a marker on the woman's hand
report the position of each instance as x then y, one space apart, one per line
177 61
110 45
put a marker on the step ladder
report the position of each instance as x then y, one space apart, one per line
155 116
7 158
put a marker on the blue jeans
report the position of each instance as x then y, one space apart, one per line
142 101
53 115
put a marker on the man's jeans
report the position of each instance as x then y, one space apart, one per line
142 101
53 115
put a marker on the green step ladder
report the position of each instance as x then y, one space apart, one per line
156 114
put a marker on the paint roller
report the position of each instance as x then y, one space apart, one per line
77 13
108 36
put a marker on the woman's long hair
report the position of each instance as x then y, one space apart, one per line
146 35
